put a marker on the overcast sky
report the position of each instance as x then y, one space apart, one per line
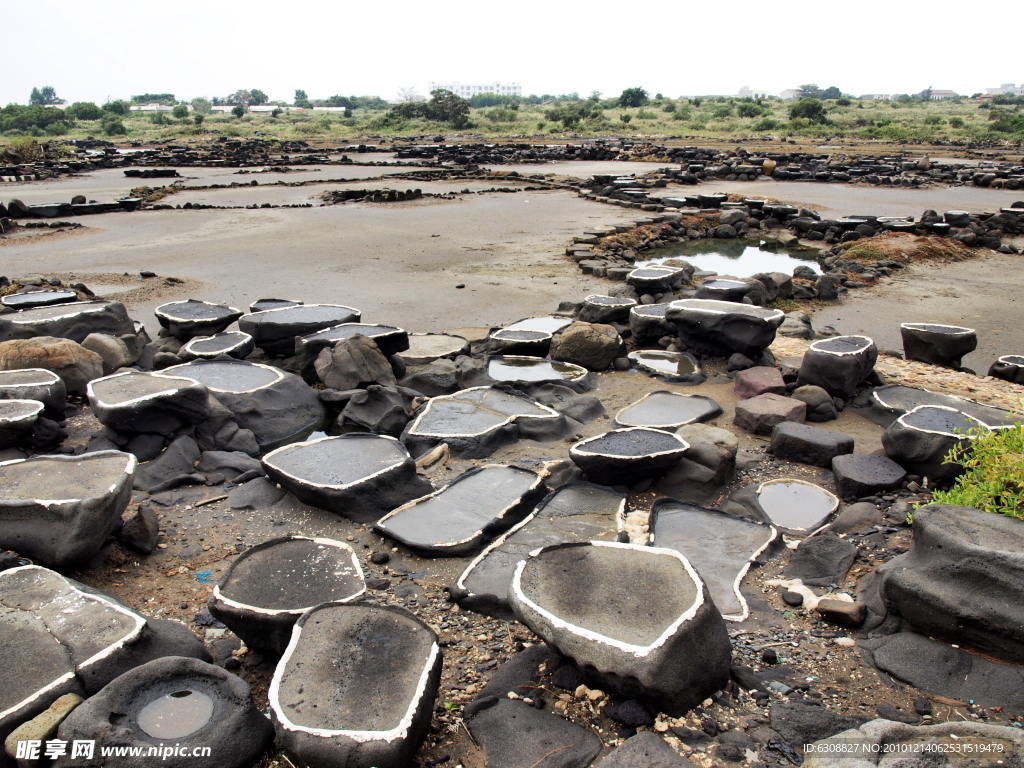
111 49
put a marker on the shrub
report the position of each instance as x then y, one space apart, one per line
238 110
116 107
159 118
808 109
956 122
633 97
180 112
198 119
84 110
844 102
765 124
721 112
114 127
750 110
994 476
669 107
58 128
625 118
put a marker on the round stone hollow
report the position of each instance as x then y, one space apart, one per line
668 410
627 455
190 318
37 299
233 343
36 384
796 505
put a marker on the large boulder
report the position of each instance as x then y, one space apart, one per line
60 510
839 365
672 652
389 340
356 687
860 475
167 700
724 327
962 581
706 466
606 309
113 350
352 363
264 592
75 365
67 321
809 445
513 734
18 419
359 476
592 345
920 441
938 344
1008 368
275 330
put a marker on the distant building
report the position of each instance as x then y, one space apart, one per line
938 94
152 108
876 97
1010 89
752 93
791 94
469 91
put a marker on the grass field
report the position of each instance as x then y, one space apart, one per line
956 122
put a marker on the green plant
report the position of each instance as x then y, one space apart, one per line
993 480
198 119
633 97
180 112
450 706
625 118
238 110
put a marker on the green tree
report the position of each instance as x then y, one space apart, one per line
339 101
258 97
300 95
180 112
113 126
238 110
444 106
116 107
201 106
44 96
276 112
633 97
810 109
84 110
832 92
198 119
167 99
810 91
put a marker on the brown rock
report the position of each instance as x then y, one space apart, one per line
592 345
75 364
757 381
354 363
760 414
842 612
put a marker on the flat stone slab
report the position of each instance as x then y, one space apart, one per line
547 323
477 421
425 348
796 505
513 369
515 735
233 343
360 476
275 330
860 475
757 381
72 321
17 420
190 318
724 325
672 652
677 367
59 510
140 401
34 299
51 631
356 687
36 384
809 445
460 518
761 414
264 591
627 455
276 406
575 512
668 410
897 399
720 547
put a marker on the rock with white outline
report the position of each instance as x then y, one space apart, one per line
723 289
425 348
893 400
359 476
592 603
962 581
721 547
61 637
462 517
356 687
275 330
576 512
723 327
36 384
839 365
476 422
59 510
662 409
547 323
519 341
276 406
140 401
168 701
921 439
72 321
624 456
389 339
605 309
674 367
262 593
262 305
1008 368
187 319
233 343
17 420
795 507
648 323
658 279
32 299
525 371
938 344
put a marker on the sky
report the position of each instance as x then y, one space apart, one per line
111 49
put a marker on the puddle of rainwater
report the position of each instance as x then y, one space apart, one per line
526 369
739 258
795 505
671 363
176 715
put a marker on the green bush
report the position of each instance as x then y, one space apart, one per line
625 118
956 122
114 127
238 110
116 107
750 110
994 476
765 124
84 110
808 109
180 112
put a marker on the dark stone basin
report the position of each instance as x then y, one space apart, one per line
795 504
668 410
38 299
228 375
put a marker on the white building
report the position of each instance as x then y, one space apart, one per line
746 92
791 94
875 97
153 108
1010 89
939 94
468 91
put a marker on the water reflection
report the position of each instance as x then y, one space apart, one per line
739 258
